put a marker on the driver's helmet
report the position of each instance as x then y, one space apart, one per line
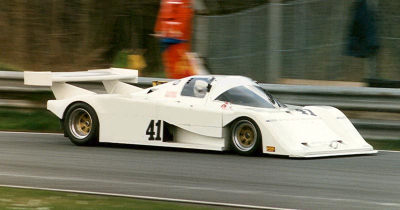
200 88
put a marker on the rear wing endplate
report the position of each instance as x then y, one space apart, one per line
48 78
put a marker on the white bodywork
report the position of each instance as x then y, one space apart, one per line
162 116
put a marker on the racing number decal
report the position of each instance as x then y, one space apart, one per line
306 112
150 130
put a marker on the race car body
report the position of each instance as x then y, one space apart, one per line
199 112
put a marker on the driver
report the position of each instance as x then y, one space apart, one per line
200 88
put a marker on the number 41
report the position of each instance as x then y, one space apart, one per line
150 130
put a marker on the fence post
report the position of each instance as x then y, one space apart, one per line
274 42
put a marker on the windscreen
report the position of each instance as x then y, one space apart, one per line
269 96
242 95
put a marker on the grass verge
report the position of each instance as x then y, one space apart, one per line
15 198
12 119
9 67
385 144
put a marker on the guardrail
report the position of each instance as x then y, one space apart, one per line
374 111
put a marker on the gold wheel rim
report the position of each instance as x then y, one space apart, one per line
85 123
244 135
80 123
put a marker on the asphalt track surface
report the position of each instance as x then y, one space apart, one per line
51 161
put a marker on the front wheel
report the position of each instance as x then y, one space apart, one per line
81 124
245 137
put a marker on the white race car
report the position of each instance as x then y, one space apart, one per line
200 112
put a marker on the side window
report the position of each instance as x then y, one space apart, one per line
188 88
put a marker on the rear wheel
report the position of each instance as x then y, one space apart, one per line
245 137
81 124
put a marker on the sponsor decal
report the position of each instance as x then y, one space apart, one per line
270 149
226 105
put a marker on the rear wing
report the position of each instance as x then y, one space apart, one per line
49 78
113 80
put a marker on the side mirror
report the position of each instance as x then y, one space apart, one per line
200 88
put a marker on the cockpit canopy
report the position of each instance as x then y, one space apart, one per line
233 89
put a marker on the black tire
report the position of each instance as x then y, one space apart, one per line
81 124
245 137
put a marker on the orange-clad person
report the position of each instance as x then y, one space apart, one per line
174 28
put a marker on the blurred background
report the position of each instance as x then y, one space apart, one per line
277 41
312 50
